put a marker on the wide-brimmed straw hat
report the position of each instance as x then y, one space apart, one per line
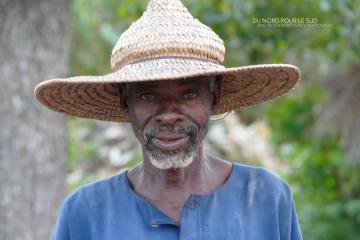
166 43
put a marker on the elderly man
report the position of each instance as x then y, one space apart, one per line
167 81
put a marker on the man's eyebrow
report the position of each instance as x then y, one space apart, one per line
185 82
145 85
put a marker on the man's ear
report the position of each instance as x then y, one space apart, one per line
215 92
123 96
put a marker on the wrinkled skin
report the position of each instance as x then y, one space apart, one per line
170 109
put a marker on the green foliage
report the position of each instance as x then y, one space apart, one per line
81 144
96 25
294 114
326 185
232 20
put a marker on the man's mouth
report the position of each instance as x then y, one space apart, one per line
170 141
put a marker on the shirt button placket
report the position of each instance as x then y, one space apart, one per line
191 204
189 221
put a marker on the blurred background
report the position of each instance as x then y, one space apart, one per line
311 136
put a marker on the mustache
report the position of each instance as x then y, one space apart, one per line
150 132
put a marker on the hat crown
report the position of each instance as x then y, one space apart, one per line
167 29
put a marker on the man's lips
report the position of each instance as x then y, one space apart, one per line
170 141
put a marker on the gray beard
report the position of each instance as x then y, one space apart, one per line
173 159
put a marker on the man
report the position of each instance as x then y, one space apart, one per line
167 81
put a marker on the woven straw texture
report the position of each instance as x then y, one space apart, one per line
166 43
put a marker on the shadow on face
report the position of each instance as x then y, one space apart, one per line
170 117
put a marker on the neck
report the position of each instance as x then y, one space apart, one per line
169 189
154 183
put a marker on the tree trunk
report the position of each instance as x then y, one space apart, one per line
342 112
34 46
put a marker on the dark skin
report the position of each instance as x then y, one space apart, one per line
183 103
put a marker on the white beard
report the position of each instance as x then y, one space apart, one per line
172 160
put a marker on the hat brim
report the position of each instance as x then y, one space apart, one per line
97 97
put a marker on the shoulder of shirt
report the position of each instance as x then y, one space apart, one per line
264 179
96 190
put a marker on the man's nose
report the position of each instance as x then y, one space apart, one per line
169 118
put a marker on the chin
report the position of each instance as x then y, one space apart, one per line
171 160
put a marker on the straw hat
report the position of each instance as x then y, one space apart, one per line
166 43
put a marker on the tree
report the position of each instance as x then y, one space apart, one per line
33 47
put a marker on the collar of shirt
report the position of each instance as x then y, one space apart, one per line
154 217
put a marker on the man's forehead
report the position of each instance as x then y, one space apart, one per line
178 82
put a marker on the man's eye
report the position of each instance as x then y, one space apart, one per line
148 97
189 95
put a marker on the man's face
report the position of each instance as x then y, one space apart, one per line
170 118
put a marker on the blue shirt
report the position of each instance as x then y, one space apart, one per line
252 204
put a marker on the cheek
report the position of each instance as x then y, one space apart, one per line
200 116
139 117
